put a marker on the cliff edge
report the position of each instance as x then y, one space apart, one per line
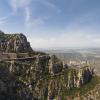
14 43
32 75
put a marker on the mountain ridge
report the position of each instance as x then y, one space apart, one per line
45 77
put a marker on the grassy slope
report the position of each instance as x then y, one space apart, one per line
83 90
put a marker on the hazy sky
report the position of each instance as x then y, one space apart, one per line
53 23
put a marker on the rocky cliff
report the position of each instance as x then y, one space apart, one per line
33 81
14 43
36 75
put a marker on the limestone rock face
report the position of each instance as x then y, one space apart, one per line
7 83
14 43
11 88
42 84
55 65
42 64
33 75
79 77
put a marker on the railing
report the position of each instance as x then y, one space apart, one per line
26 58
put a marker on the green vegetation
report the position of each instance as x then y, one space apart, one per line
26 73
83 90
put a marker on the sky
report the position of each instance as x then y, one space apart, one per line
53 23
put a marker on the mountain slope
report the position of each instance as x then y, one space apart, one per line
32 75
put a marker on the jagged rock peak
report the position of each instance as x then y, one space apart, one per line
1 32
14 43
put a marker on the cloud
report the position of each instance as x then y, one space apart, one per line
23 5
65 40
26 5
16 4
4 19
2 22
28 14
29 21
35 23
50 5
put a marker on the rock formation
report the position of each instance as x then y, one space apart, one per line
31 75
14 43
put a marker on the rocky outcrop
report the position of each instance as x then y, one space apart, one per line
14 43
55 65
